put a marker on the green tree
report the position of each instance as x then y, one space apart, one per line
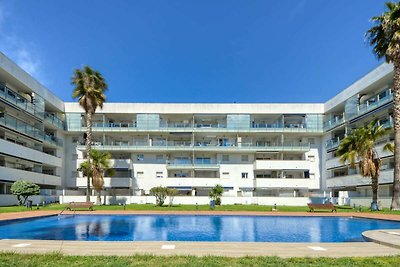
24 189
358 148
384 37
96 169
160 193
172 192
89 90
216 193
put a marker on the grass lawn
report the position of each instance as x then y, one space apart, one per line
11 259
194 207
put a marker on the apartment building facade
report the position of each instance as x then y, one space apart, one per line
259 153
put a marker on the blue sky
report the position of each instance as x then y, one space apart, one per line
194 51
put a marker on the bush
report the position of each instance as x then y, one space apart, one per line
216 193
160 193
24 189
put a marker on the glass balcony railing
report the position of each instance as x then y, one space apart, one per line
29 130
54 120
21 126
333 123
333 143
53 140
179 145
175 125
16 99
364 108
209 125
114 125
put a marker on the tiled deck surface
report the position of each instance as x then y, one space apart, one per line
232 249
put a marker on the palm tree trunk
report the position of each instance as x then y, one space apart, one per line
98 199
396 117
374 185
88 145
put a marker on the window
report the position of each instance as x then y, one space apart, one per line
140 157
225 158
311 141
159 158
159 175
245 175
140 174
245 157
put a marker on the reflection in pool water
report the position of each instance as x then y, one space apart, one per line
192 228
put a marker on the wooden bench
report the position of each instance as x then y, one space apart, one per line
80 205
328 206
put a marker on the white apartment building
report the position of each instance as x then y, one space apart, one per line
260 153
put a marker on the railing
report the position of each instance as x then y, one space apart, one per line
210 125
125 145
364 108
53 140
27 129
16 99
114 125
21 126
332 143
333 123
175 125
54 120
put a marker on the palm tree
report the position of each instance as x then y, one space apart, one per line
384 37
89 89
96 169
359 146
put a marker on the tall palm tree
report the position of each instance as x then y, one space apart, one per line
89 89
96 169
358 148
384 37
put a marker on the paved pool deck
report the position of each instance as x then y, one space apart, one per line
385 242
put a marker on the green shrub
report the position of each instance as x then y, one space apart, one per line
24 189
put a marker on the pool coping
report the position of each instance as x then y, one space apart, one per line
378 246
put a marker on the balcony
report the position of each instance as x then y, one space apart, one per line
335 162
17 100
188 146
21 126
364 108
282 165
190 182
9 174
357 180
53 140
28 153
286 183
54 120
332 143
197 164
115 127
333 123
109 182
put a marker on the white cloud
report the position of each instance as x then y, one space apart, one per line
21 51
25 60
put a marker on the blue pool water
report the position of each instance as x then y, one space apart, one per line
192 228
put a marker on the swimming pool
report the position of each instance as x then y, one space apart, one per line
209 228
